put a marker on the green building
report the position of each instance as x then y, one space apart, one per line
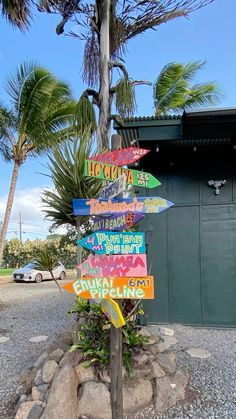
193 249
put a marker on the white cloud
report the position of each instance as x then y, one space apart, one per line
28 202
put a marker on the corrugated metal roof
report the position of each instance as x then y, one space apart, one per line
152 118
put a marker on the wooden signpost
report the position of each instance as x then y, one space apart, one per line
108 242
92 287
117 221
143 205
111 173
112 310
114 265
121 157
119 269
113 189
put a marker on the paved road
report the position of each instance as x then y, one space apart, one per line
26 310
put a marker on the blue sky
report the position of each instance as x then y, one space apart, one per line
209 34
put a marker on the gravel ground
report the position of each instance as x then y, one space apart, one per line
211 391
26 310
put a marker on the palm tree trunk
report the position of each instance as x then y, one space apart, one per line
7 215
103 130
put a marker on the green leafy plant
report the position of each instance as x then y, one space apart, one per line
94 334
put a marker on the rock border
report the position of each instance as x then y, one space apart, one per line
59 387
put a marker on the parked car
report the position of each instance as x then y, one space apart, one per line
29 273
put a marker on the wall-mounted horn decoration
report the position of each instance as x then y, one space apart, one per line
217 184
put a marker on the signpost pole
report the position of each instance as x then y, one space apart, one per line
116 346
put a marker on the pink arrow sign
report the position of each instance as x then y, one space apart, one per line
114 265
117 221
121 157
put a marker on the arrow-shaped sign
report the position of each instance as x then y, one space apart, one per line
111 173
143 205
114 287
114 243
121 157
114 265
117 221
113 189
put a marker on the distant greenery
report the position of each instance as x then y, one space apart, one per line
19 253
6 272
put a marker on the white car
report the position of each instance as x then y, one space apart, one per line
29 273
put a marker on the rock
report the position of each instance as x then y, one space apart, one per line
198 353
4 339
155 348
24 409
43 388
141 359
37 394
72 358
62 400
166 343
137 396
35 412
38 339
49 370
38 378
26 381
157 371
65 340
94 401
84 374
22 399
56 355
167 361
169 390
41 360
144 332
104 377
166 331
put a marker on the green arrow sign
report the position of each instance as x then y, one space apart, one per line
111 173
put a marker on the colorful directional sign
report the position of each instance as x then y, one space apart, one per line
143 205
117 221
113 189
110 172
114 265
114 287
113 312
121 157
108 242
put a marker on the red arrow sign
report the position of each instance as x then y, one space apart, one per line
121 157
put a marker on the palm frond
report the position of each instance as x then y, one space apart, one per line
125 98
67 173
91 60
17 12
85 115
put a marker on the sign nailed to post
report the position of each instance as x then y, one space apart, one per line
143 205
122 156
114 243
109 172
114 188
117 221
112 310
114 265
115 287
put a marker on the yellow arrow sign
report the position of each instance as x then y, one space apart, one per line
112 310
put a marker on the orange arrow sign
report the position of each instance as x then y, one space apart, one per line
91 287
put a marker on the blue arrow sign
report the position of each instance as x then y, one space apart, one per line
143 205
114 243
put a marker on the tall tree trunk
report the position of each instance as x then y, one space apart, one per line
103 130
7 215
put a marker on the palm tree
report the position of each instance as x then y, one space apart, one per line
41 115
173 91
67 174
106 26
46 261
